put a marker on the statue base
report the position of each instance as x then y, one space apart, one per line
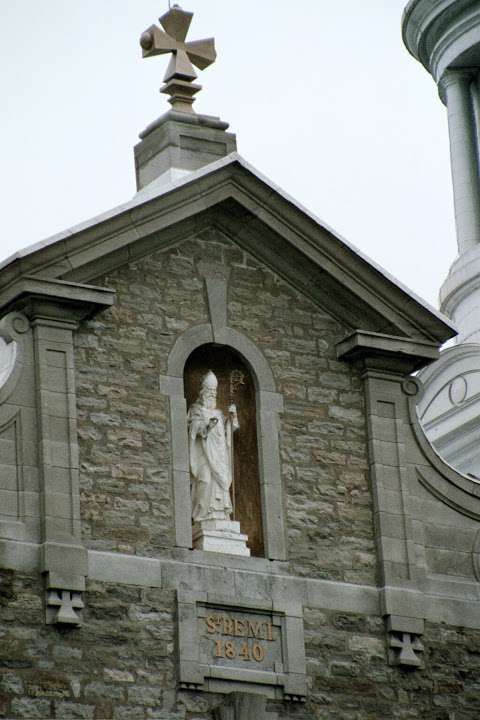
221 536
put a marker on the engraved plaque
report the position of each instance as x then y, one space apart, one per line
247 640
236 645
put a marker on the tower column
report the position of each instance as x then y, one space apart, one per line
445 37
461 94
460 293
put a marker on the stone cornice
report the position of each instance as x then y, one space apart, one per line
386 353
265 222
54 299
314 593
210 121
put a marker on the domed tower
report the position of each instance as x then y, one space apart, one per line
444 35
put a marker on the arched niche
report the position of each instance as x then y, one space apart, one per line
268 405
236 385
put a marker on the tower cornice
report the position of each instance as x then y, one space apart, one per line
443 34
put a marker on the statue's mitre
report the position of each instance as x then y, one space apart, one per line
209 381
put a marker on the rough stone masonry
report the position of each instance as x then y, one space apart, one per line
367 584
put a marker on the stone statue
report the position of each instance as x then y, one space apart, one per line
210 446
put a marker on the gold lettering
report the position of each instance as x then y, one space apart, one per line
230 650
240 629
258 652
218 648
254 629
211 623
228 626
237 627
269 630
244 652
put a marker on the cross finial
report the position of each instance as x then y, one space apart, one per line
180 72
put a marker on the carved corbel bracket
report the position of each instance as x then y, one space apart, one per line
63 607
295 698
65 568
405 647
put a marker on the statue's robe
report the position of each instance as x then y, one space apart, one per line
210 463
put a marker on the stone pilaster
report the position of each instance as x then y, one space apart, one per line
54 310
386 363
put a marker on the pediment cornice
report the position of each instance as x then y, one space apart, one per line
230 196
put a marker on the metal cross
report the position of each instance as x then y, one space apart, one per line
180 72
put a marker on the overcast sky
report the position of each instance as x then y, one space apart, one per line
323 96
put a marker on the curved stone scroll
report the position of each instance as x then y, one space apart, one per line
440 479
13 328
18 518
8 353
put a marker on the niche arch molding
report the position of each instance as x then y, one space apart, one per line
269 405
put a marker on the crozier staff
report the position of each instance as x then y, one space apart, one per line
210 437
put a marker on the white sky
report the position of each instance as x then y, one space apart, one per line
323 96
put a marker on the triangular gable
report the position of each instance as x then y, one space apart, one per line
235 199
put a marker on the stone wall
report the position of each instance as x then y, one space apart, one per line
126 489
121 664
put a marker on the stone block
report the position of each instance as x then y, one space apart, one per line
128 712
179 433
9 501
253 585
226 539
242 706
396 623
64 560
11 684
394 550
403 602
22 556
124 569
343 596
145 696
217 303
171 385
120 676
183 508
31 708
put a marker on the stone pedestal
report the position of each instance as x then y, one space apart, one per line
222 536
178 143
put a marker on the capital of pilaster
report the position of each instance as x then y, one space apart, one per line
54 301
380 353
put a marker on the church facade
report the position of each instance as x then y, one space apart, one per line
333 571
